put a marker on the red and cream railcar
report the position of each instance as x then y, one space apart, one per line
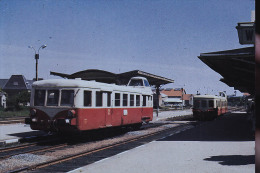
78 105
209 106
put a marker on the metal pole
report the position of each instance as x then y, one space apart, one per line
182 98
157 103
36 69
36 59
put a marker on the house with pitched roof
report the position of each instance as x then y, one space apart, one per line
2 99
17 84
176 97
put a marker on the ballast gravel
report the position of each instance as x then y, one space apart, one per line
22 160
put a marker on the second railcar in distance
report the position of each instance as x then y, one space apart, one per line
207 107
78 105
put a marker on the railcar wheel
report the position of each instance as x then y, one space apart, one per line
137 126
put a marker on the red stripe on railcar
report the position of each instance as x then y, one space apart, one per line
88 119
106 117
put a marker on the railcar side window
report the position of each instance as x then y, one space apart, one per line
39 97
125 97
137 100
87 98
108 99
211 103
53 97
132 100
67 98
144 100
117 99
99 100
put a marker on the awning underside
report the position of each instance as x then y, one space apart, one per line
120 79
237 67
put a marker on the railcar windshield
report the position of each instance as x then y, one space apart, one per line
203 103
53 97
211 103
39 97
136 82
146 83
197 103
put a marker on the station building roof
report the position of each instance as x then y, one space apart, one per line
237 67
120 79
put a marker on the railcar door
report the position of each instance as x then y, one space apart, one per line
109 111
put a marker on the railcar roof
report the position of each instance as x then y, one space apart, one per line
77 83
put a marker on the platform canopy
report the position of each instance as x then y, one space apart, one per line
120 79
237 67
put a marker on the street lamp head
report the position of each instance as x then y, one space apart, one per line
43 46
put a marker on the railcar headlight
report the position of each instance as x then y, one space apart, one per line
33 112
71 113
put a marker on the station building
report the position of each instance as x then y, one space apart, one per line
175 98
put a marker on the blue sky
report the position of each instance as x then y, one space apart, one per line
163 37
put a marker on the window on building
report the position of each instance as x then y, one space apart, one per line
117 99
137 100
87 98
39 97
132 100
53 97
15 83
125 99
67 98
99 99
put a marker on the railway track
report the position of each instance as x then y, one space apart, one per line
43 145
73 161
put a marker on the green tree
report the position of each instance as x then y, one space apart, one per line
23 98
17 102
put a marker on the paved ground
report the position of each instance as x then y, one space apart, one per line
14 131
168 114
224 145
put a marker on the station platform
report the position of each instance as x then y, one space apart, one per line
224 145
12 133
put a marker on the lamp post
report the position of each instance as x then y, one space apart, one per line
36 58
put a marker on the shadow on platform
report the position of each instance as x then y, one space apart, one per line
26 134
232 127
230 160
